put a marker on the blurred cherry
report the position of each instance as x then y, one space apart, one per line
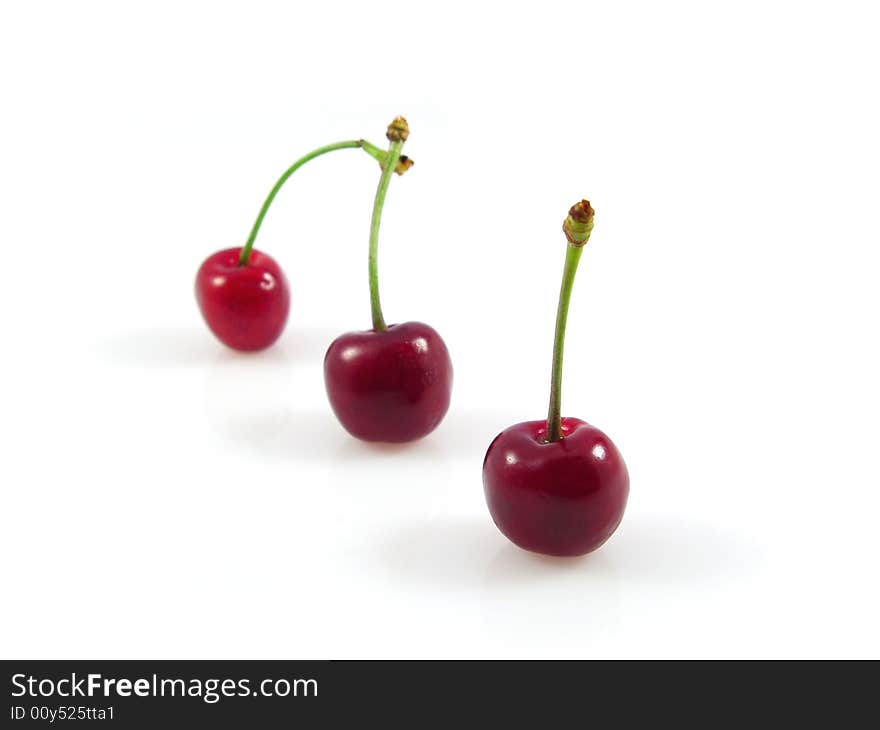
245 306
242 293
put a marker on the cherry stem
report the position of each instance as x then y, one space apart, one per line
397 136
554 415
372 150
577 228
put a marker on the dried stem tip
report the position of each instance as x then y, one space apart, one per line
398 130
579 224
403 164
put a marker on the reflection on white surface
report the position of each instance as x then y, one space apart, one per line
523 604
163 348
403 531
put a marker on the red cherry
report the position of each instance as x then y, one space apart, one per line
245 306
393 385
562 497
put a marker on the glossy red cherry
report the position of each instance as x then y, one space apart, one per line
393 385
245 306
562 497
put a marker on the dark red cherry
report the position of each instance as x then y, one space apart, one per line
245 306
563 497
392 385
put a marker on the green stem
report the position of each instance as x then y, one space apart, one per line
554 414
387 170
375 152
246 251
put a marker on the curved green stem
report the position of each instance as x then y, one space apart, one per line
554 414
387 170
246 251
375 152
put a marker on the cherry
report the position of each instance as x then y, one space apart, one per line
242 293
558 486
561 497
392 383
245 306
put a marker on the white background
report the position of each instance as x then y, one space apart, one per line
165 497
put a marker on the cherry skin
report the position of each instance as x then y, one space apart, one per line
245 306
564 497
392 386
